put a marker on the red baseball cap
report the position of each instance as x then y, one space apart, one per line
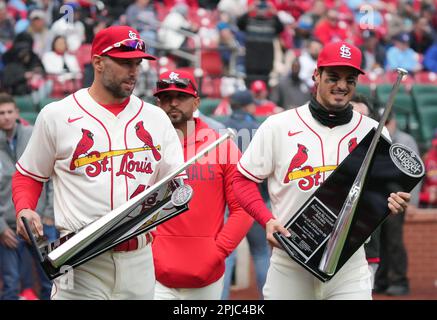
177 80
340 54
120 42
258 86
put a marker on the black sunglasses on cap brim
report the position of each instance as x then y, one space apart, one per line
181 83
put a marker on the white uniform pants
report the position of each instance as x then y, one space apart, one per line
210 292
111 275
287 280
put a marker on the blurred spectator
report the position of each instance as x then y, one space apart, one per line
401 20
74 30
291 92
430 58
141 15
263 106
243 121
116 9
428 194
391 277
175 20
13 141
51 8
430 13
242 117
303 31
17 9
228 86
395 25
373 52
361 104
283 48
230 42
6 25
329 28
307 21
193 4
23 71
287 35
401 55
208 4
60 62
262 27
308 61
421 37
234 8
39 32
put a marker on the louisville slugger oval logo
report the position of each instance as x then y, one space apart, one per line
407 160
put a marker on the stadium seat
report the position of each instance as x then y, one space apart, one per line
386 88
403 101
29 116
403 107
212 66
25 103
428 123
261 119
46 101
419 89
364 90
211 63
426 100
207 106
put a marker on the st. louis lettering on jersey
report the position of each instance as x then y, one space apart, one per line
96 162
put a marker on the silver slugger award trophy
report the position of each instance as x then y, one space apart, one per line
155 205
327 230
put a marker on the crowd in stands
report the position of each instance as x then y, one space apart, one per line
270 47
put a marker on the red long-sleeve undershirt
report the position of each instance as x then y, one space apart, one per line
26 190
247 193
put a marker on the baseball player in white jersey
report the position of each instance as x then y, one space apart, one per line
101 145
317 137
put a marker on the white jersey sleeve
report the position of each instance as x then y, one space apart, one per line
257 162
39 156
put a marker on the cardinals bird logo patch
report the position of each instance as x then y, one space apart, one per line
84 145
352 144
145 137
297 161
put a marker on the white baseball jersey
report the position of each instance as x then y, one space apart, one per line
98 160
297 154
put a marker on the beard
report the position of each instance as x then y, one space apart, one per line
116 87
177 117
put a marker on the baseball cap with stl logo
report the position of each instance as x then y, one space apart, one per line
120 42
177 80
340 54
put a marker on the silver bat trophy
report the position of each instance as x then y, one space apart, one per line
334 247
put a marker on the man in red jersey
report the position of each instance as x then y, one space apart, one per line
190 250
